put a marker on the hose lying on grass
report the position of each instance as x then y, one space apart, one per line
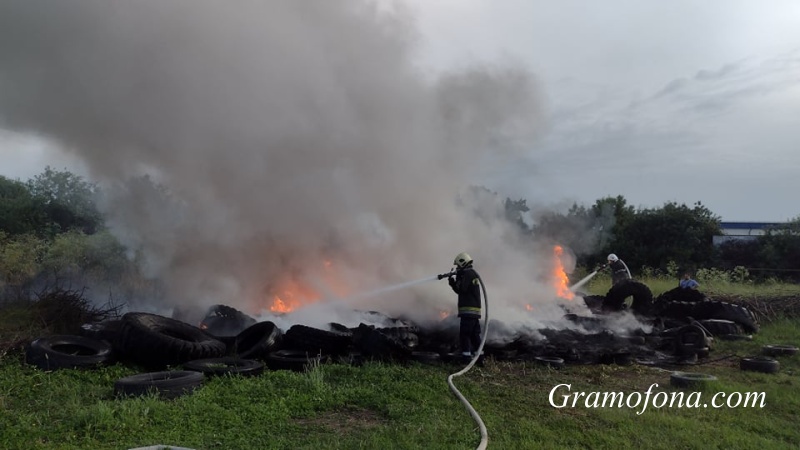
484 434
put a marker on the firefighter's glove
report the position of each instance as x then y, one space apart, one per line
452 282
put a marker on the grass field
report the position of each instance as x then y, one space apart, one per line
393 406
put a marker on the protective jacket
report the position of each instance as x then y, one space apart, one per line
467 285
618 271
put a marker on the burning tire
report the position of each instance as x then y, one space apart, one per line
226 366
168 384
315 340
67 352
642 297
158 341
257 341
763 364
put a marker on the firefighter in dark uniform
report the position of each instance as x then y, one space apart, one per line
468 287
619 271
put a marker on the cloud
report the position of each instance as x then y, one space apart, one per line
687 141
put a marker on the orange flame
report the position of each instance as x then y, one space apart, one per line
561 280
444 315
292 293
529 307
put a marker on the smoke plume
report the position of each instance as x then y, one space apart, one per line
299 143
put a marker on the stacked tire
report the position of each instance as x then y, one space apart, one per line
156 341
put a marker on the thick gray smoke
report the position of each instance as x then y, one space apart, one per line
301 146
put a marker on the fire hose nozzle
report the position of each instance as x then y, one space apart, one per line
446 275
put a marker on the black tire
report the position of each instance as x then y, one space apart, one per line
690 339
642 297
719 327
588 322
226 366
550 361
713 309
674 310
635 340
257 341
315 340
406 335
340 328
67 352
107 330
779 350
690 379
168 384
293 359
158 341
618 358
426 357
762 364
680 294
223 320
229 341
594 302
375 345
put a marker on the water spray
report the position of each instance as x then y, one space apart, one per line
583 281
395 287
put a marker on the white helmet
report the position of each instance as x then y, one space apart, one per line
462 259
612 257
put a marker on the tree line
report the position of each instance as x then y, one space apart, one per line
670 238
51 229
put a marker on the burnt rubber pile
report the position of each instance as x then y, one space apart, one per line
176 356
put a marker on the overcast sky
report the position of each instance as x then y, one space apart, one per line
656 101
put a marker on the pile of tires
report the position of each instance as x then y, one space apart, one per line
709 310
156 341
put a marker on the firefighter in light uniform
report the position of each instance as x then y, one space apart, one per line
467 285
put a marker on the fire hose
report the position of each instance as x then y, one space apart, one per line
484 434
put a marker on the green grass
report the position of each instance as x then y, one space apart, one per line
392 406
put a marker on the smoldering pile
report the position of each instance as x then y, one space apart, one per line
225 332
